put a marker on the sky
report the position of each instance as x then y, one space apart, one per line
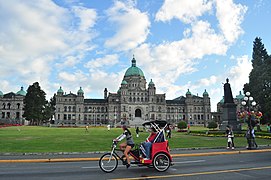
179 44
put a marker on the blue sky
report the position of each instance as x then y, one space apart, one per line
179 44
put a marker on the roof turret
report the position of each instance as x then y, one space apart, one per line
205 93
188 92
80 91
21 92
60 90
133 70
240 96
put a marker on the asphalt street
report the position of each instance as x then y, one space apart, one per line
188 164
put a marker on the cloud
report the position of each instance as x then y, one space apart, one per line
230 17
107 60
87 17
36 34
186 11
131 25
239 74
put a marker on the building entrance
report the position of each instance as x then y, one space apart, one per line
137 113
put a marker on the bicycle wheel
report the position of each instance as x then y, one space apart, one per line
108 163
161 162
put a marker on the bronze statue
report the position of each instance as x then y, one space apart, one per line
227 92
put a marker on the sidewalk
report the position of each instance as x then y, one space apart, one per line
94 156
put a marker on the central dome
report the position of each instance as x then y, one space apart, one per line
133 70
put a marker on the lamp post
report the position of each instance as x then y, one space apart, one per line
248 102
115 117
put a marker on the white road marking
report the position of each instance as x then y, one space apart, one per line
182 162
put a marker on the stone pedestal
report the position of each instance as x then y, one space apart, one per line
229 117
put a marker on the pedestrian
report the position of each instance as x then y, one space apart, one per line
168 132
86 128
230 136
137 131
108 127
268 127
254 144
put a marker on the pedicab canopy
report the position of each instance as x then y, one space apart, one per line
159 123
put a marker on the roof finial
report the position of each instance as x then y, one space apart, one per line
133 61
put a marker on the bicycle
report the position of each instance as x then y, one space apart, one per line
161 159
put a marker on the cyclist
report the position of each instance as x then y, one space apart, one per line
128 145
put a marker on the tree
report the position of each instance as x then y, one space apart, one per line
182 125
34 104
260 79
49 110
212 125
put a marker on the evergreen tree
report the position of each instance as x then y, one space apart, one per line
259 78
34 104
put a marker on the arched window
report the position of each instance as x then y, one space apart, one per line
65 108
159 109
70 108
18 105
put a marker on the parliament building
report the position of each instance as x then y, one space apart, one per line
135 102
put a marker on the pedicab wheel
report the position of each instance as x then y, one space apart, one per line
108 163
161 162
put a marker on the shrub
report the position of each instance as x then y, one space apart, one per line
182 125
212 125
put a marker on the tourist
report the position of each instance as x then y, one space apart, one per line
230 136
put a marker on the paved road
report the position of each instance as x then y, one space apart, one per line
198 164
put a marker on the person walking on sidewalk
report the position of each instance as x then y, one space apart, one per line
230 135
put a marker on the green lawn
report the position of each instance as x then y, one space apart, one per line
27 139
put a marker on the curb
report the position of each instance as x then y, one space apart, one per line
97 159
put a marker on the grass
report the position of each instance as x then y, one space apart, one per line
29 139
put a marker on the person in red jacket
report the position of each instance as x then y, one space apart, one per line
148 143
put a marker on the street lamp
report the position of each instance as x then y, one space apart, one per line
248 101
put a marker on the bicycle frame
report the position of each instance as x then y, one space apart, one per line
115 150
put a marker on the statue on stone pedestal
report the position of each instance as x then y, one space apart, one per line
229 117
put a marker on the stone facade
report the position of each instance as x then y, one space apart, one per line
133 103
11 107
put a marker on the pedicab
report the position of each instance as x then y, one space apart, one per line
160 158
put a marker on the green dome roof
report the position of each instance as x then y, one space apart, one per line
133 70
240 96
21 92
124 82
188 92
205 93
60 90
1 93
151 83
80 91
